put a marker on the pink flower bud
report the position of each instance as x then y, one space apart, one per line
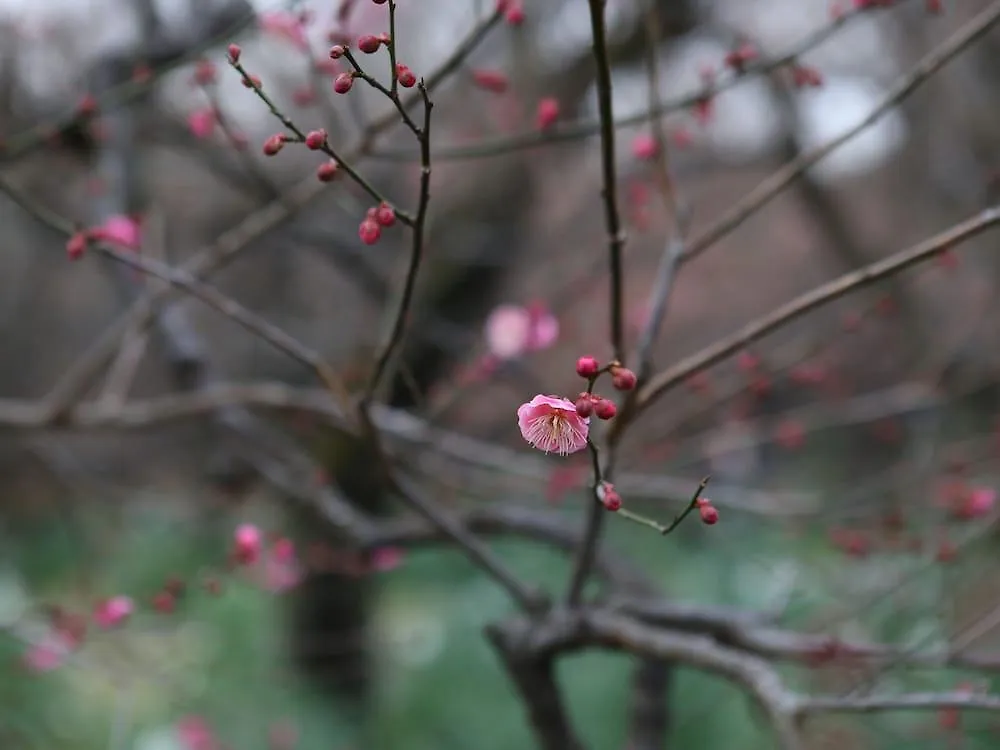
234 52
369 44
369 231
587 367
343 83
605 409
337 51
405 76
547 114
274 144
316 139
709 515
584 405
326 171
622 378
609 496
252 82
385 215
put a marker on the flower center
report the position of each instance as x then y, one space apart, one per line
553 432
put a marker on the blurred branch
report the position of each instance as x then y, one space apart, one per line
819 296
233 241
584 128
418 226
527 597
165 56
562 632
903 87
396 424
535 679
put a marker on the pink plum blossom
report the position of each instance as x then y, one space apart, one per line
112 612
194 733
121 230
285 25
386 558
247 541
201 123
513 330
645 147
978 502
551 424
50 652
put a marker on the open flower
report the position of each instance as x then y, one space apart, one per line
551 424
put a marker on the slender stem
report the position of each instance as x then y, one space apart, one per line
327 149
416 254
822 295
393 73
609 191
690 507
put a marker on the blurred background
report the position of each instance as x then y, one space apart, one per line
854 453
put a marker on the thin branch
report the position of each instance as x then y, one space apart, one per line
236 312
818 297
416 254
904 86
609 190
228 245
530 599
572 131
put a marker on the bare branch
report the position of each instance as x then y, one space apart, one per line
818 297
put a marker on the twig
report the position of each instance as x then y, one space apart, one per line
22 144
904 86
609 190
690 507
231 242
588 550
572 131
811 300
343 162
416 254
530 599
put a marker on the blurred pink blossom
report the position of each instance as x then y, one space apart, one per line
201 123
513 330
121 230
285 25
49 653
386 558
113 612
194 733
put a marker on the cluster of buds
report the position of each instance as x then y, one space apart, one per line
740 57
377 217
587 403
